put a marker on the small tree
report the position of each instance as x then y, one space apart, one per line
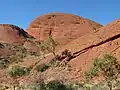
49 45
52 44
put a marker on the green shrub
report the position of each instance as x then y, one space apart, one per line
42 68
17 71
54 62
3 64
35 86
108 65
93 72
56 85
52 85
49 45
32 53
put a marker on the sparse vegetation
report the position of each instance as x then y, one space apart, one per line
49 45
108 66
18 71
16 54
92 73
52 85
42 68
3 63
35 86
54 62
56 85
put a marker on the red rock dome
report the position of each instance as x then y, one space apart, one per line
64 27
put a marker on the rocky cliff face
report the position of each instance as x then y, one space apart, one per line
89 44
85 49
92 45
12 34
64 27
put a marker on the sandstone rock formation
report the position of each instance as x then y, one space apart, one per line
64 27
12 34
14 39
84 41
85 49
92 45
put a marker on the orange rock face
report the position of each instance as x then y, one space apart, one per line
64 27
12 34
88 47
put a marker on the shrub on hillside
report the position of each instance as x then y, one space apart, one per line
3 63
17 71
56 85
108 66
42 68
49 45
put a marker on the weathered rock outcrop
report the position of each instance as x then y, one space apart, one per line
12 34
92 45
64 27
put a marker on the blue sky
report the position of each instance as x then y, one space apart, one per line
22 12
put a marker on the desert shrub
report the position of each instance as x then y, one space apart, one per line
4 64
32 53
17 71
42 68
52 85
56 85
91 73
54 62
108 65
49 45
35 86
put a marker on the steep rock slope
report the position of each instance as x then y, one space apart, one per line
14 39
12 34
63 27
92 45
85 49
